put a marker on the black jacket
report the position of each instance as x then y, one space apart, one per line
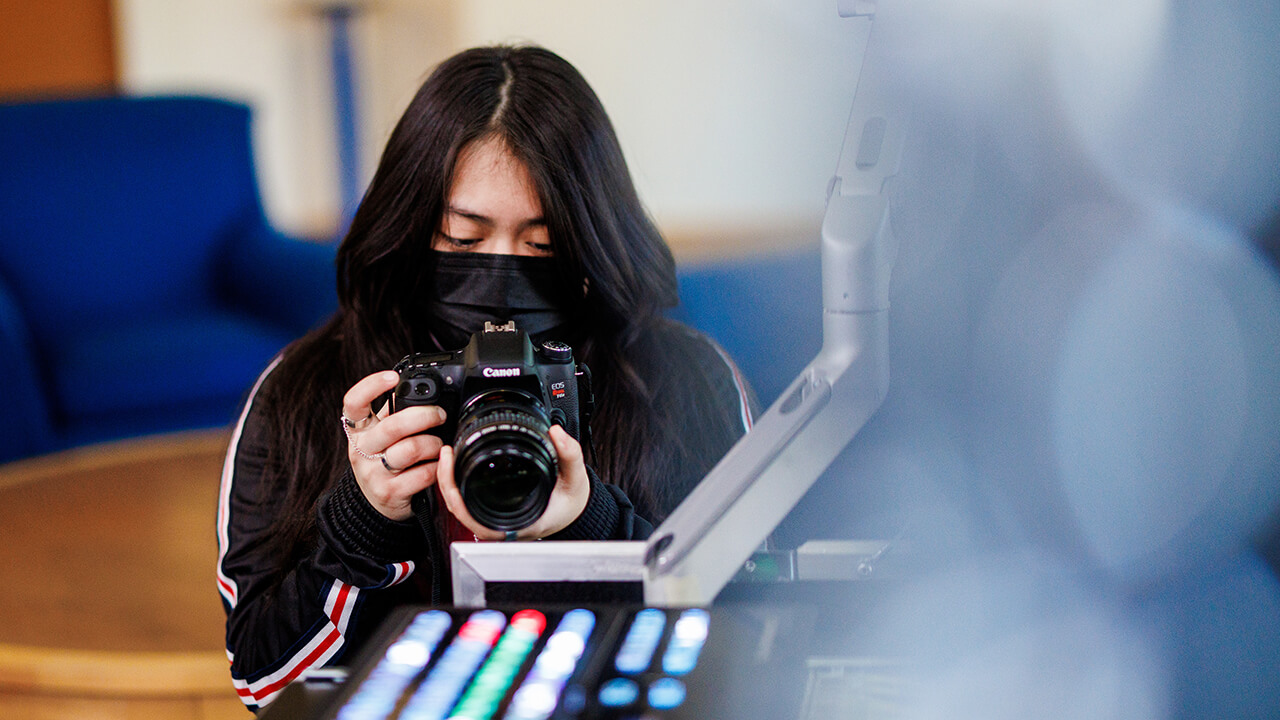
363 564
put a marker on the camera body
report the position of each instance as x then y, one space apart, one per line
501 394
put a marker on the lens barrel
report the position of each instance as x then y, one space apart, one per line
506 464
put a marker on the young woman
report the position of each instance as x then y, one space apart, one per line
502 195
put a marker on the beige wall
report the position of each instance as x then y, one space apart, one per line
731 114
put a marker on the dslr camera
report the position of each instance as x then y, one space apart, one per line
500 394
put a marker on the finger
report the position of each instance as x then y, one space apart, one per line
444 476
414 480
444 480
453 499
573 487
568 450
401 425
357 403
392 493
413 450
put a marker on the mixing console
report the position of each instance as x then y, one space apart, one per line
571 663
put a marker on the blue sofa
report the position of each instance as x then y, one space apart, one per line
141 287
765 310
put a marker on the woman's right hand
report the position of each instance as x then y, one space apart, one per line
390 456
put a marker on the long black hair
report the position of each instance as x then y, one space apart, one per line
606 249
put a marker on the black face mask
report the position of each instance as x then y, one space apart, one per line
470 289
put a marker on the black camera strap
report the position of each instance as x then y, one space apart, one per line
424 508
586 410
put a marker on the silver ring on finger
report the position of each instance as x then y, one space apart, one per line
350 424
348 427
383 457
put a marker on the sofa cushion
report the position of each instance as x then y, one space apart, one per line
115 381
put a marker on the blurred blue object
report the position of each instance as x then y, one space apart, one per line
764 310
142 288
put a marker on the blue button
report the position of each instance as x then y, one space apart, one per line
666 693
680 662
641 641
619 692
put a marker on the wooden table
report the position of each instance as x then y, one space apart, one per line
107 568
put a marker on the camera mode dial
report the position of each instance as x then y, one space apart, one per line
556 351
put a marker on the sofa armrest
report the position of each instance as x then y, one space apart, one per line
285 280
25 425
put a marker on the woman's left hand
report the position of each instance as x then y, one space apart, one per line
568 497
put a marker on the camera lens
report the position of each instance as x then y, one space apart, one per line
506 464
